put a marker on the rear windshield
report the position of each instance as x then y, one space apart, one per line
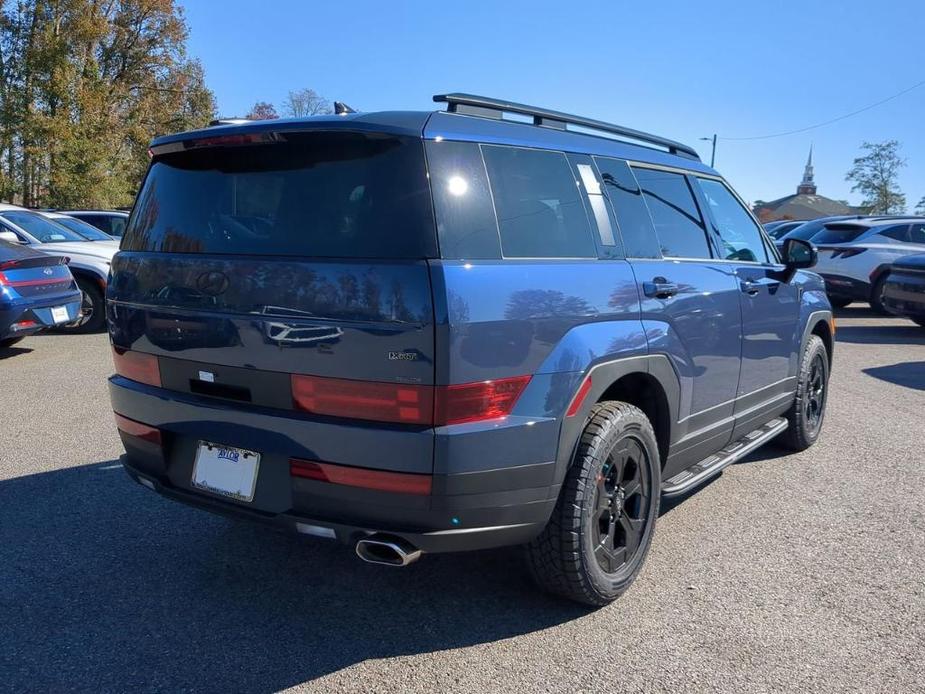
838 233
323 194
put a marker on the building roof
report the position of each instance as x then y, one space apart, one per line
802 206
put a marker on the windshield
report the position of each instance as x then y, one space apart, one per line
88 231
321 194
42 228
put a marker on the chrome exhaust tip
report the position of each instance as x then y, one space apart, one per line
387 550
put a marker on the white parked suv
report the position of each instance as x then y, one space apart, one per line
89 260
855 256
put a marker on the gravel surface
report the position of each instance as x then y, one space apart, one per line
787 573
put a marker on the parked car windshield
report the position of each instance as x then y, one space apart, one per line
322 194
42 228
88 231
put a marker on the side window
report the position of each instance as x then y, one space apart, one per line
540 213
466 223
630 211
917 233
680 229
739 236
116 226
897 233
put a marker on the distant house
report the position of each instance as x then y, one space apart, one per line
806 204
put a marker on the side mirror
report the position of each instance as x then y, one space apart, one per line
798 254
9 237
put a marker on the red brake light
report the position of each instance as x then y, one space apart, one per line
381 402
233 140
382 480
471 402
137 429
136 366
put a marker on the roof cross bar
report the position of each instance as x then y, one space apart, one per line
493 108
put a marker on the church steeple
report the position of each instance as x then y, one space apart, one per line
807 185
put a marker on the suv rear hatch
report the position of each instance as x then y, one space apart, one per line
283 273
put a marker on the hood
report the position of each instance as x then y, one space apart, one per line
103 250
914 262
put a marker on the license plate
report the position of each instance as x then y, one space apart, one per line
225 470
59 314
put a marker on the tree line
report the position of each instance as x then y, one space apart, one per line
84 87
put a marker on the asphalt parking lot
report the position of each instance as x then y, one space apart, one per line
787 573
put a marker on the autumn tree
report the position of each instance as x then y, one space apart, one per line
306 102
84 87
262 110
876 177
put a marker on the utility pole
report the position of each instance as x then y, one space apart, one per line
713 153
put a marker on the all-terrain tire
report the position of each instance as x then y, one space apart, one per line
563 558
807 413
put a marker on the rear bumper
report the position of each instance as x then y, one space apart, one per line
465 511
27 309
847 287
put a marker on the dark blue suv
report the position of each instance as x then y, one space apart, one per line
429 332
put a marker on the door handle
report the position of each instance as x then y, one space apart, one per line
749 287
660 288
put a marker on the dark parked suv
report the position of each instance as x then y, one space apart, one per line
430 332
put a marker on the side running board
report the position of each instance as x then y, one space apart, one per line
714 464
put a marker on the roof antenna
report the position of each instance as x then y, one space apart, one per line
342 109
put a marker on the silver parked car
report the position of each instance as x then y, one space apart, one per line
89 260
855 256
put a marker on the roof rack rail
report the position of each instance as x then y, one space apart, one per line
493 108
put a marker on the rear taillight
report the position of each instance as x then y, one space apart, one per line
381 402
407 404
141 431
472 402
137 366
381 480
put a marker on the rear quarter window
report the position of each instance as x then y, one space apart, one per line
538 205
318 194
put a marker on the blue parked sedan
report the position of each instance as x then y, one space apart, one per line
904 289
37 291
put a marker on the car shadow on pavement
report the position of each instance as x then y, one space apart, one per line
910 374
106 586
7 352
892 334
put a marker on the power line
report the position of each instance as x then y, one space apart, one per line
828 122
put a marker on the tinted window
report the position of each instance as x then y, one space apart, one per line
897 233
116 225
841 233
739 235
917 233
630 209
42 228
88 231
466 221
680 229
340 195
540 213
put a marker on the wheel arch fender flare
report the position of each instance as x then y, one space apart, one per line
655 369
813 321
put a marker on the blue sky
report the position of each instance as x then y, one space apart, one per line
679 69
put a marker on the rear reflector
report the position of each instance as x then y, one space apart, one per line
137 429
579 398
380 402
471 402
407 404
381 480
23 325
137 366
